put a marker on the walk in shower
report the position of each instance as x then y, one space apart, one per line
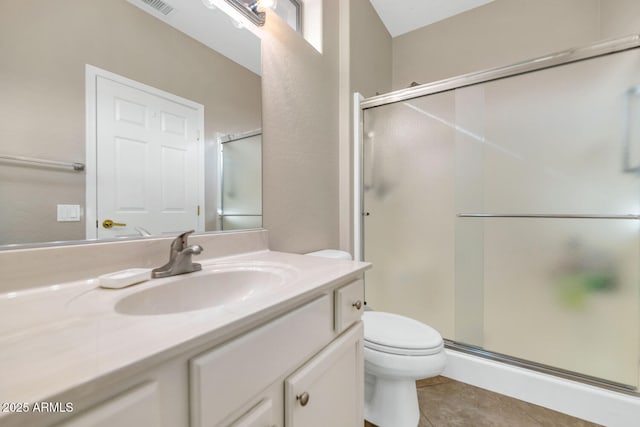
502 208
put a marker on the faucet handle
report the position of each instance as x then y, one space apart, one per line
186 234
180 242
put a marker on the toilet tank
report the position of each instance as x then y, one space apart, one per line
331 253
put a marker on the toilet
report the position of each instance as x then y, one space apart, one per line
397 351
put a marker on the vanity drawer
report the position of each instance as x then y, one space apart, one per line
225 378
349 305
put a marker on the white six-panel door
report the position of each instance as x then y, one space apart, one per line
148 161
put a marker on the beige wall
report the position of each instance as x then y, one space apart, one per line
619 18
504 32
43 112
370 54
307 123
300 135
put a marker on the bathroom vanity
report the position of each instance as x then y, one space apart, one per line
279 344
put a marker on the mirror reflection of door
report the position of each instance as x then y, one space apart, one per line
149 161
241 181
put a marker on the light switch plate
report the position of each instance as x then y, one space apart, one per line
68 213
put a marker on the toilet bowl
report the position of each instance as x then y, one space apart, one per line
397 351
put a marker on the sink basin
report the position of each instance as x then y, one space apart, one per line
203 290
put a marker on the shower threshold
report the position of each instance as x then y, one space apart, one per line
545 369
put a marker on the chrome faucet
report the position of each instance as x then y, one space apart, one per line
179 258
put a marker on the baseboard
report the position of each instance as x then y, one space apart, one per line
608 408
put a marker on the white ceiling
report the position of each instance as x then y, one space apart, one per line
402 16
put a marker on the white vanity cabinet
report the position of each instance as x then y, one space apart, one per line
301 354
301 368
222 379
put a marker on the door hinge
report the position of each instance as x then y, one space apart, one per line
198 210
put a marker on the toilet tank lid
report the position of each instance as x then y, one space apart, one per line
331 253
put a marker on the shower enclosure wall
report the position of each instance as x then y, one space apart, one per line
501 208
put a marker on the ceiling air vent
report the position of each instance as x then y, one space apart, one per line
160 6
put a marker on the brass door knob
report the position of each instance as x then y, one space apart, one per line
357 305
303 398
107 223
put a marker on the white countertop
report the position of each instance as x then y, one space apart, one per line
57 338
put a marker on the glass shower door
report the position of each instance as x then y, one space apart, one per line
561 284
409 200
241 183
504 214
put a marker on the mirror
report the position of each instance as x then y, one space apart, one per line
44 106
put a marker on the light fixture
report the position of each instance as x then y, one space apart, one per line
252 11
245 12
261 5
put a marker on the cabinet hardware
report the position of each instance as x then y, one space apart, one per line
357 305
303 398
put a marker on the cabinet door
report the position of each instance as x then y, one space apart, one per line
329 389
134 408
259 416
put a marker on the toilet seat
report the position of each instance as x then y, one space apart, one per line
395 334
403 351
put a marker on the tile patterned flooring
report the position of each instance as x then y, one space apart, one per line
448 403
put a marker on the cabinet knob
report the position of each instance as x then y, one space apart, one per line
357 305
303 398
